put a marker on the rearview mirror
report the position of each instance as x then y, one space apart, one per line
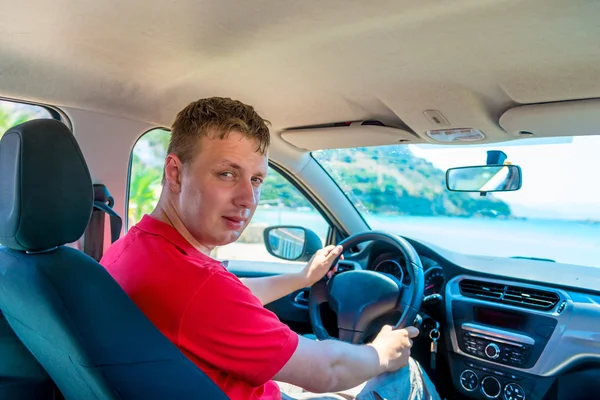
484 178
293 243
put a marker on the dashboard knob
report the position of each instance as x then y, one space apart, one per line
492 351
512 391
469 380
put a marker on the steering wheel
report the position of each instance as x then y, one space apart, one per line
361 297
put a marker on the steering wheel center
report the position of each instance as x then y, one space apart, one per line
359 297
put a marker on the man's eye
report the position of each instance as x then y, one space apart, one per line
257 180
226 174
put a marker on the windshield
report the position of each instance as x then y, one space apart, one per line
554 216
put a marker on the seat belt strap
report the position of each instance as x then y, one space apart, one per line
115 220
93 244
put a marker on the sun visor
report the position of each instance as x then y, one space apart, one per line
348 135
568 118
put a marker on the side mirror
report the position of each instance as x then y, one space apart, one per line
293 243
484 178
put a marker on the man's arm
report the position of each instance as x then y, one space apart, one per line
271 288
331 366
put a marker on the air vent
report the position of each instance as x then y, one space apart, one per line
509 294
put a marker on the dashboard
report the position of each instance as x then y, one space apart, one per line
512 329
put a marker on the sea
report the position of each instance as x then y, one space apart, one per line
564 241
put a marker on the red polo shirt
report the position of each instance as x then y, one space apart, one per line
201 307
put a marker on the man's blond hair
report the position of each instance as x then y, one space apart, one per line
215 117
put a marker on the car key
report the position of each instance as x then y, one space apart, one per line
434 335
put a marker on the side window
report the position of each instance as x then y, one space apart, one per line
13 113
145 174
281 203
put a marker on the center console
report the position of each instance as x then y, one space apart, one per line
498 345
495 349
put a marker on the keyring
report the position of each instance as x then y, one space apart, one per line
436 333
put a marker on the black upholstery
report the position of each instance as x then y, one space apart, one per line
21 375
67 310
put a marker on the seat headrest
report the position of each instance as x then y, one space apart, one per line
46 192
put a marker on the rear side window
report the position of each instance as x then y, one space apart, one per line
145 175
14 113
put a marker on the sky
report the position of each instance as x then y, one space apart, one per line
560 176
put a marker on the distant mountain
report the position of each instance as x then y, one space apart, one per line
392 180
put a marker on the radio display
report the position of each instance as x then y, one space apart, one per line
502 319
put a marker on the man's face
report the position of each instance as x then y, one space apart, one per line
220 189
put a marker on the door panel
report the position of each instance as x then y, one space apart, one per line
291 309
292 312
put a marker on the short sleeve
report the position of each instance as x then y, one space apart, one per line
226 326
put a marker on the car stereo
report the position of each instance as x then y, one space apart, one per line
513 338
514 352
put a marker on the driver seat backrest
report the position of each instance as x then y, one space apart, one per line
66 309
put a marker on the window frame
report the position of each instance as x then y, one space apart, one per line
55 112
129 169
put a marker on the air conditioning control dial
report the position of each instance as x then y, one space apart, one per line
512 391
469 380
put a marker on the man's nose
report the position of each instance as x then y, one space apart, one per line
246 195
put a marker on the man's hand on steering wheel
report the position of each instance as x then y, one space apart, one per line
320 264
362 299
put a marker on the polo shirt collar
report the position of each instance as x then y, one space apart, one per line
153 226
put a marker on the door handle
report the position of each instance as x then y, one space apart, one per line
302 298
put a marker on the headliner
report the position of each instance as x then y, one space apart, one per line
304 62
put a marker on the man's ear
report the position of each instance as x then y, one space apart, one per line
173 173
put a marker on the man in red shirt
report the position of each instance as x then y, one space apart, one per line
216 163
